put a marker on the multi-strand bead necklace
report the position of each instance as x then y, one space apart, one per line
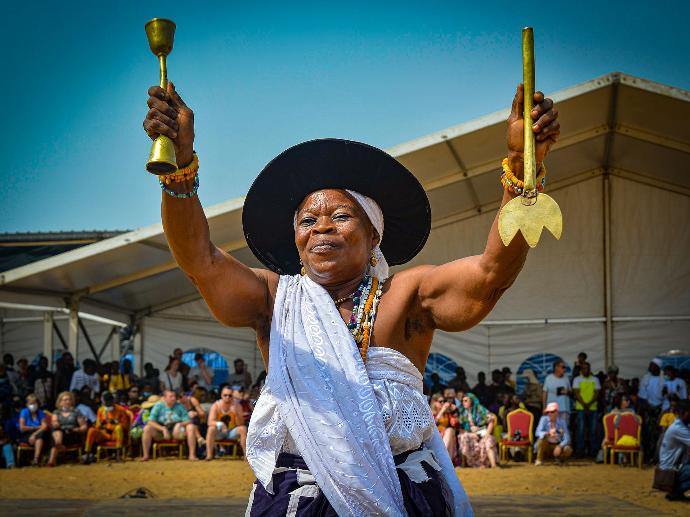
365 302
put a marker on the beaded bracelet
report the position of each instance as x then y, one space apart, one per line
511 183
184 174
181 195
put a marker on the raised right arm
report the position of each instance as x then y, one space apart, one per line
238 296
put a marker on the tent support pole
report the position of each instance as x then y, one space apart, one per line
606 178
139 348
60 336
73 330
106 342
115 343
48 337
608 352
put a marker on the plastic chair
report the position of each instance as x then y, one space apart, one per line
629 424
111 445
518 420
160 445
234 444
22 448
609 432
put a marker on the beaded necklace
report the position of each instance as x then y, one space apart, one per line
365 305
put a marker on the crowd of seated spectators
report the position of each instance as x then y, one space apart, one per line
47 412
567 411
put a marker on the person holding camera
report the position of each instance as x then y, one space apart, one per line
445 414
553 437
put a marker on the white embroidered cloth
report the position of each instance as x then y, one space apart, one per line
320 393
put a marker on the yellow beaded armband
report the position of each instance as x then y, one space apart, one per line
186 173
512 184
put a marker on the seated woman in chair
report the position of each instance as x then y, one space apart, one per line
477 444
33 427
68 424
445 414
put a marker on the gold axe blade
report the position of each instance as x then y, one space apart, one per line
530 219
530 212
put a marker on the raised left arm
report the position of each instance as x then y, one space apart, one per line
459 294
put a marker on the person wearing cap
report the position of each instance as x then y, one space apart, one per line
344 341
651 397
142 417
112 425
553 437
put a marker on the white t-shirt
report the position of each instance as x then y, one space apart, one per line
676 386
195 374
551 385
172 382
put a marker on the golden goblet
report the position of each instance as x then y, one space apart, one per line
161 33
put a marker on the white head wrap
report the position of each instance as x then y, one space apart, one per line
375 215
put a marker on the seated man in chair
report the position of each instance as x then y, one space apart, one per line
112 425
168 420
225 422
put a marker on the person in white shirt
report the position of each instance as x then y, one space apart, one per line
673 384
87 376
557 389
201 374
651 396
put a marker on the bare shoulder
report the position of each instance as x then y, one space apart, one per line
408 280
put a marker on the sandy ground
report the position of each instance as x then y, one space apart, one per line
171 478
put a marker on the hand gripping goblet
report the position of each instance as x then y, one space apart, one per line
530 212
161 33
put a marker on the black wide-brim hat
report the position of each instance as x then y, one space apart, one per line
278 190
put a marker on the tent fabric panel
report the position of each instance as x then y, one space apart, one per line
163 335
669 116
648 159
650 248
638 342
566 275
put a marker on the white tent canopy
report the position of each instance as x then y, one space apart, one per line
617 285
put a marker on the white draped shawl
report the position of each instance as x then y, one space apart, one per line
318 390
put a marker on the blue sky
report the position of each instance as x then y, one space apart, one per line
263 76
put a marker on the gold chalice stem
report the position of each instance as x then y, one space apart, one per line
161 33
164 72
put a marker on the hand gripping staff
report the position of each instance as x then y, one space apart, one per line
530 211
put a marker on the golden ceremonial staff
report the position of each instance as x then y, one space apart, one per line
161 33
531 211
